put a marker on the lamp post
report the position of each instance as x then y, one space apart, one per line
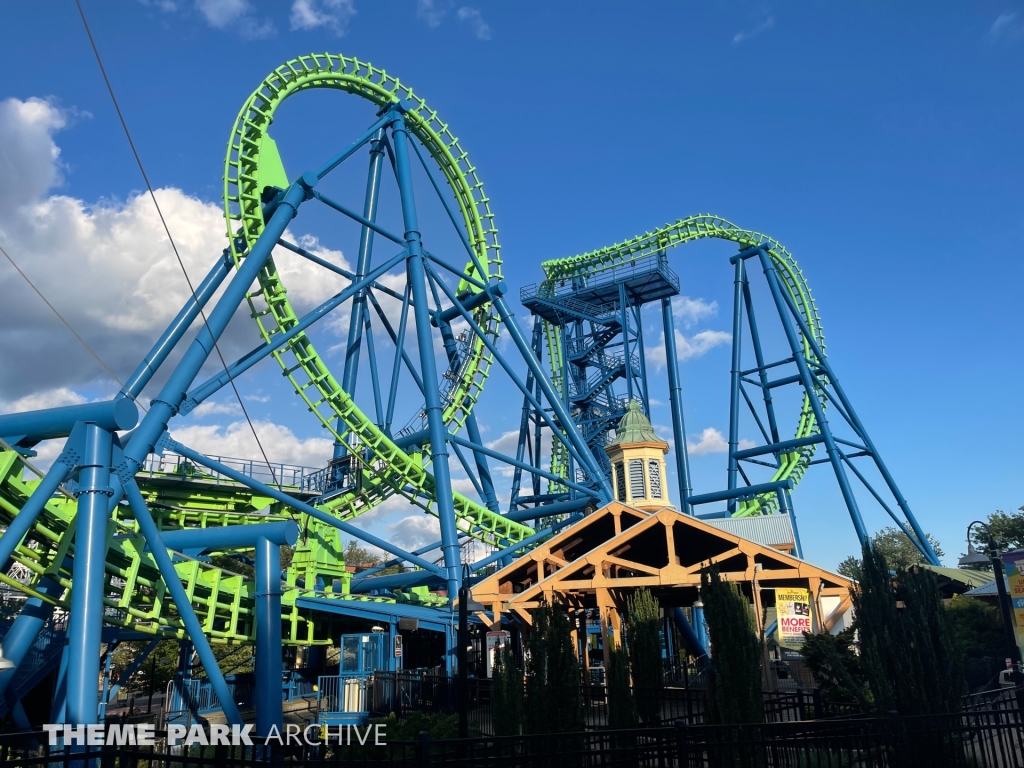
992 554
463 654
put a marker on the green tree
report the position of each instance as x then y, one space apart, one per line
564 700
160 666
977 627
507 694
734 682
360 557
836 667
621 704
553 703
897 548
644 645
1007 530
907 646
537 670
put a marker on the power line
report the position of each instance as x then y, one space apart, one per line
145 178
61 317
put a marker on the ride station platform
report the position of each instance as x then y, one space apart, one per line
598 294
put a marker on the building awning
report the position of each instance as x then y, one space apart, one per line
775 531
987 590
435 619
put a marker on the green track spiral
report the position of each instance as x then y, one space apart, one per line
251 163
793 464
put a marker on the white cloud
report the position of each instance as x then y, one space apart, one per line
236 440
237 16
687 347
257 398
713 441
746 34
48 398
30 160
433 11
506 444
1007 26
690 311
209 409
222 13
414 531
332 14
113 249
700 343
481 29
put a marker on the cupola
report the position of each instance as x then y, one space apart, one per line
637 457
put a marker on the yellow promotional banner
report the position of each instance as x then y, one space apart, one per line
1013 563
793 612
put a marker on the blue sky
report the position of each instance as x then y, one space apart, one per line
879 142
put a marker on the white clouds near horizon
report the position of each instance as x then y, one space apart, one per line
713 441
236 440
113 250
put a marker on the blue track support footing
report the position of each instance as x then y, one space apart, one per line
86 620
269 712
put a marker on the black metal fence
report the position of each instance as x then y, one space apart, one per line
405 692
993 739
971 740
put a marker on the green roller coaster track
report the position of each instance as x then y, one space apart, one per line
253 162
135 595
792 465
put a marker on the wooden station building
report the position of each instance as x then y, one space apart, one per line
641 541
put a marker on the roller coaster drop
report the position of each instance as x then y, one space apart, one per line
109 537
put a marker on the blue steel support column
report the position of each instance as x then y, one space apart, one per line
675 396
435 418
179 325
355 327
922 543
641 356
23 632
625 341
792 519
561 412
762 374
490 498
810 387
132 668
173 392
699 626
59 706
290 501
86 620
23 521
193 628
269 707
734 383
108 658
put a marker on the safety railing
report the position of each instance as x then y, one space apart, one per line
175 465
342 694
618 273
